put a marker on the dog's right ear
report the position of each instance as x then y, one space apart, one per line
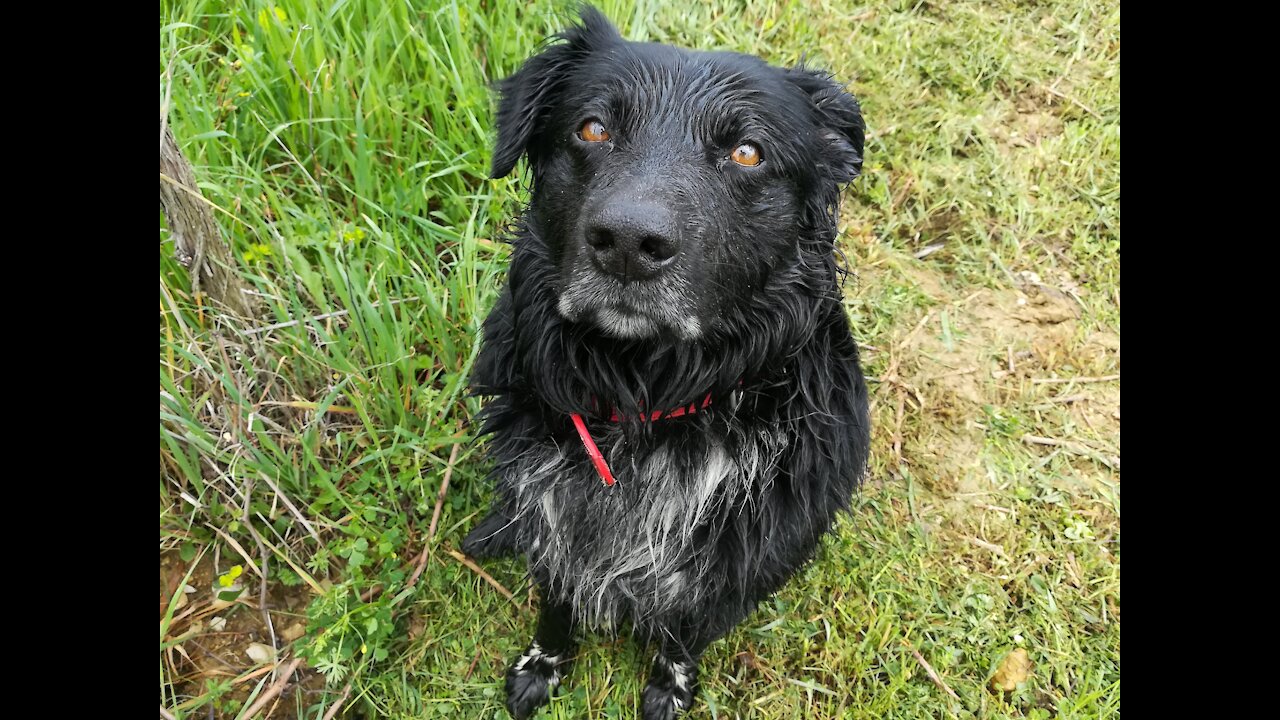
526 95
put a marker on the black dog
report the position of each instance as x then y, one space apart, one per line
678 413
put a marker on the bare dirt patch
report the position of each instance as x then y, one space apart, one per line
994 351
1026 128
215 637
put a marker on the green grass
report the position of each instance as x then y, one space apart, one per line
346 147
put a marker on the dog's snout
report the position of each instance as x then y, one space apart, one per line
633 240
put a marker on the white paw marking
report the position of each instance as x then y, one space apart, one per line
535 653
681 675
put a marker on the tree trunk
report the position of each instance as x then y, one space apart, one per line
197 242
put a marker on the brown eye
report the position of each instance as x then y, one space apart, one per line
593 131
746 154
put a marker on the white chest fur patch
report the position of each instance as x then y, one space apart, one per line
630 550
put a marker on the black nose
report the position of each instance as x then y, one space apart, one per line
633 240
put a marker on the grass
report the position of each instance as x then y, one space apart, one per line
346 147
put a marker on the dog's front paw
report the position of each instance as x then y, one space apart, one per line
670 690
530 681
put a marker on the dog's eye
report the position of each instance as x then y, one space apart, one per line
746 154
593 131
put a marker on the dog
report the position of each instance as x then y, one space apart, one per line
677 414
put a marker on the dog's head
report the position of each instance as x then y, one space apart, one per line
669 184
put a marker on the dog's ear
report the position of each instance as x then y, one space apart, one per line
840 117
527 94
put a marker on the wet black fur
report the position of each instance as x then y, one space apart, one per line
763 280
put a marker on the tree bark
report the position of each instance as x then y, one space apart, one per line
198 243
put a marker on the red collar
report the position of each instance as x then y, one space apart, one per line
602 467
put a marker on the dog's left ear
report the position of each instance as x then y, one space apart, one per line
840 118
529 92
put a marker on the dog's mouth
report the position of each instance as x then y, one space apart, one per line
623 322
633 311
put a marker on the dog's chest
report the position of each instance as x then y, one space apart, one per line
646 546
